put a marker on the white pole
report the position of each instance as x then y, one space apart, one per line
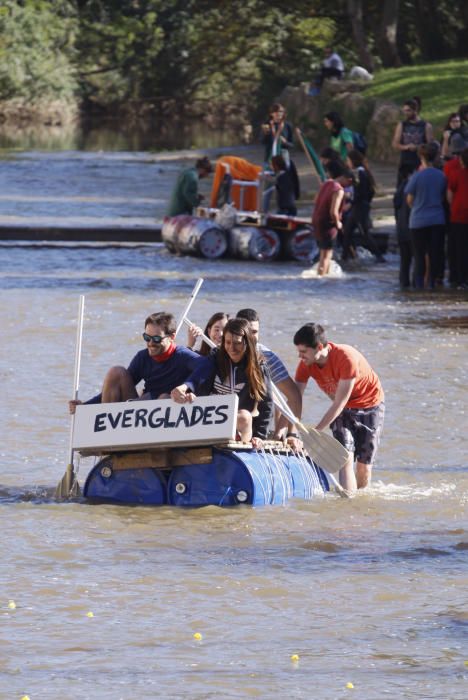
189 305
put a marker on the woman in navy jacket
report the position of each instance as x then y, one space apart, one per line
235 368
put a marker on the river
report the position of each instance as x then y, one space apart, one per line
368 592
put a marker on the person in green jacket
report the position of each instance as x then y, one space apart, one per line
185 194
341 138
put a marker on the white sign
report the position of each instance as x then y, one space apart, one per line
136 425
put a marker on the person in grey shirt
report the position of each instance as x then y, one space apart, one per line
280 378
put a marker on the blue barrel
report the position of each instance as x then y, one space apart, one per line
145 486
250 477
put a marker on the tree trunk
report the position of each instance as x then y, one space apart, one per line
355 13
387 35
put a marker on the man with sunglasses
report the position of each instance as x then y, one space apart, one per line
162 366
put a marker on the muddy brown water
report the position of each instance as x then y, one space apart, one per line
370 591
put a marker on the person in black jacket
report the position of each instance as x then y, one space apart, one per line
402 214
277 134
358 215
235 368
286 192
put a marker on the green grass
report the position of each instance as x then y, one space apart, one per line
441 87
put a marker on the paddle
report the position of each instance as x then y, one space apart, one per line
322 447
189 305
69 486
331 451
317 167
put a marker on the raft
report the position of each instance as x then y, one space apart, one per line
258 237
217 476
161 453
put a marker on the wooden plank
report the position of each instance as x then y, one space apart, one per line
162 459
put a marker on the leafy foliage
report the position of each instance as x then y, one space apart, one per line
37 51
216 52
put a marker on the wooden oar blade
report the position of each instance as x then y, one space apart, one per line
324 450
68 486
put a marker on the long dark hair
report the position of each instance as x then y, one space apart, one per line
253 370
336 120
447 127
359 160
205 349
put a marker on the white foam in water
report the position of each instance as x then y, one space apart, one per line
336 272
408 492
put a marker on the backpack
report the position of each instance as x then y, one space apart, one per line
359 142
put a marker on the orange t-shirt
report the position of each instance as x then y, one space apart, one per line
345 362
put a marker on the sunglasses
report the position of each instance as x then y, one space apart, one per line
155 338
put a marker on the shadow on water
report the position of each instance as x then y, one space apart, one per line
117 137
28 494
450 322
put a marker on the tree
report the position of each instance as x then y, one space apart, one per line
37 50
387 34
356 18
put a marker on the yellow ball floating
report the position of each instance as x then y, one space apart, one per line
349 685
466 663
198 636
12 605
25 697
89 614
294 657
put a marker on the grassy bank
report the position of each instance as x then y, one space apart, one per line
441 87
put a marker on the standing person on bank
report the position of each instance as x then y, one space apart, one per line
277 134
356 415
409 134
426 195
457 195
452 127
185 196
402 216
341 138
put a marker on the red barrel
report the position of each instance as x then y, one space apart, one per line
300 244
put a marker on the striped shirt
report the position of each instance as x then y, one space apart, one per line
277 369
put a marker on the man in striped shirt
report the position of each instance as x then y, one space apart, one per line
279 376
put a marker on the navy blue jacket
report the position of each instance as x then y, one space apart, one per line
160 377
205 380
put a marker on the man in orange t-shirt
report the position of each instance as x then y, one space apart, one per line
356 414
